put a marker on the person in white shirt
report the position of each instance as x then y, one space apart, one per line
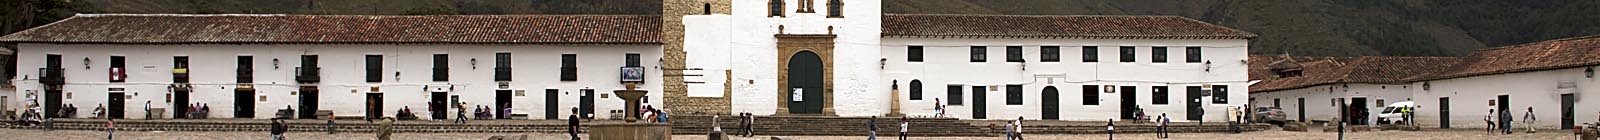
904 123
1019 127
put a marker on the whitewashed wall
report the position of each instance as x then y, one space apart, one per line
1469 97
752 54
1319 106
946 62
535 68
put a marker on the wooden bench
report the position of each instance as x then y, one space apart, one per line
518 116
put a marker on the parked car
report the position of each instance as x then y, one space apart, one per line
1273 115
1391 114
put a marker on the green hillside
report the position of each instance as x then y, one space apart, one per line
1298 27
1331 27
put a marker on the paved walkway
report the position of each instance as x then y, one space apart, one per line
316 121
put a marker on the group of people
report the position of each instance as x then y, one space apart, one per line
484 112
653 115
1502 120
1014 129
199 110
872 127
745 120
405 113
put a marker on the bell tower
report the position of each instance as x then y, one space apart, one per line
674 62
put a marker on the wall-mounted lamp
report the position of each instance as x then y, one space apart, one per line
1208 65
1588 72
274 63
882 62
474 62
86 63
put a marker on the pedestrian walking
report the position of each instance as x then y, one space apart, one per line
461 113
572 124
111 128
1505 121
1111 129
905 124
749 130
278 128
331 126
1019 128
1528 119
1488 120
385 128
872 128
1009 133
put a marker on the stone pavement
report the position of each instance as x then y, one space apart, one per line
1452 134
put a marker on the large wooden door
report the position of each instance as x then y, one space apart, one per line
1567 113
244 104
1444 112
117 105
586 103
1193 103
502 100
180 104
374 105
1130 102
979 103
1052 103
552 107
805 83
308 102
437 102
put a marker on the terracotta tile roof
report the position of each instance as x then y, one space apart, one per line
1543 55
1330 70
1053 26
232 28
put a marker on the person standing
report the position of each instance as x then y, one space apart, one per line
278 128
938 108
572 124
1161 126
331 126
385 128
506 113
744 124
904 125
1111 128
1528 118
147 113
872 128
111 128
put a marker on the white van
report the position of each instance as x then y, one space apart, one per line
1391 114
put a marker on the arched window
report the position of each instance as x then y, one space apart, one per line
916 89
775 8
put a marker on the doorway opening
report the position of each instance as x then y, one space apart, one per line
117 104
502 100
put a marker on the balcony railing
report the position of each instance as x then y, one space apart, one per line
502 74
180 75
307 74
52 76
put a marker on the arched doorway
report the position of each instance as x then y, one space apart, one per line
1052 103
805 87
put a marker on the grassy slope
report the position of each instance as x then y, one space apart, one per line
1335 27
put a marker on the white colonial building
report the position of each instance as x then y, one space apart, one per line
828 57
1554 77
250 66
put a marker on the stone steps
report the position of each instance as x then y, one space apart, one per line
828 126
